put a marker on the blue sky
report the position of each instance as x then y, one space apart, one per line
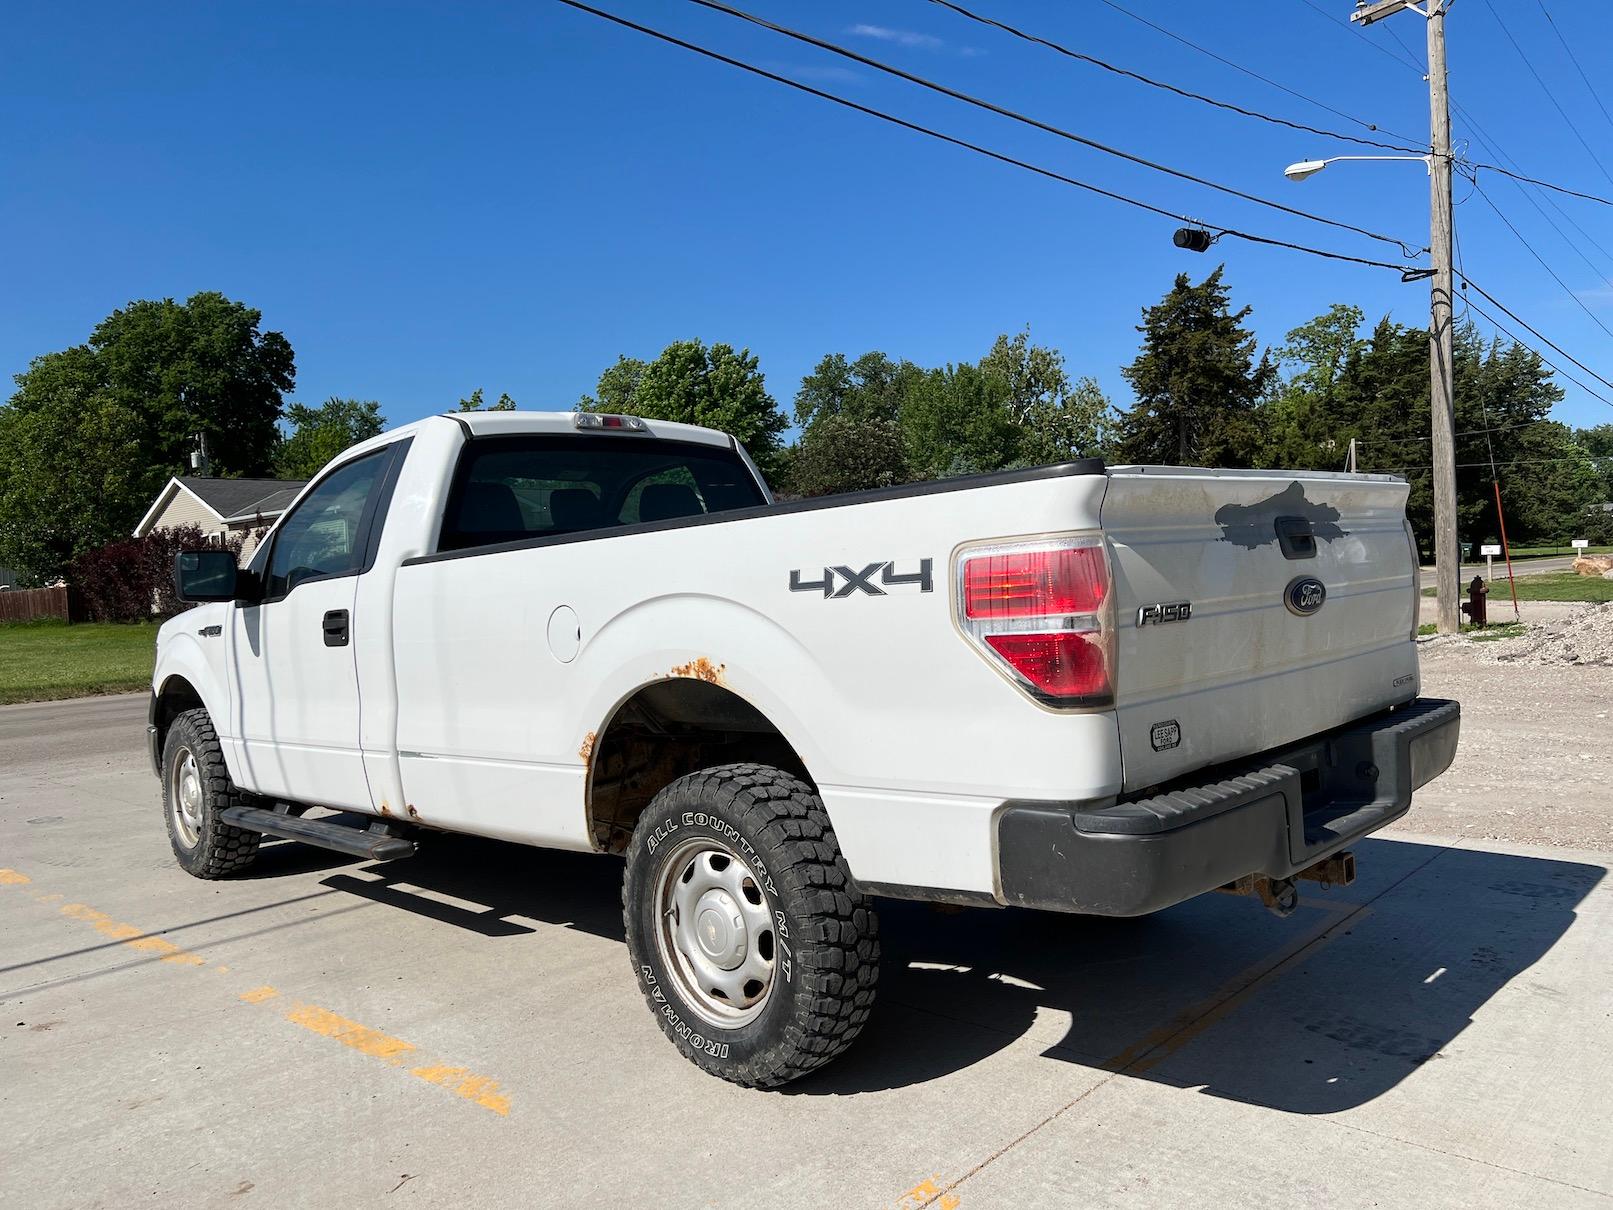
431 198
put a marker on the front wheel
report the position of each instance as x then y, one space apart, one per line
196 787
751 944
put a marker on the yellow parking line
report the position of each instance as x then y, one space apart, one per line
464 1083
132 936
927 1193
361 1038
461 1081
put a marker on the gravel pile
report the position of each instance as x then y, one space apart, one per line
1584 638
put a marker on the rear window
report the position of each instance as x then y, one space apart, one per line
510 488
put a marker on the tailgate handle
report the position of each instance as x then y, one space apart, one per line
1295 537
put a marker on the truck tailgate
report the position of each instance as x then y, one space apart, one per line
1225 646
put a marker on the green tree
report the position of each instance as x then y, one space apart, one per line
870 388
1056 419
473 402
196 369
1197 381
1296 416
92 432
840 454
319 434
1597 442
693 383
957 420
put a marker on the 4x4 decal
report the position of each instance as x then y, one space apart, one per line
863 580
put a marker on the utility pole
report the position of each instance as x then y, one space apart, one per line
1447 549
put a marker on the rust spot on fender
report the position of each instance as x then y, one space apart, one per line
586 751
413 814
701 669
386 809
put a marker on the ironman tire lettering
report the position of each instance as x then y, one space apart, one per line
751 944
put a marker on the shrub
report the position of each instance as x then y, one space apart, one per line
132 580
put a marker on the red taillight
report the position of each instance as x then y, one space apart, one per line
1064 664
1041 611
1034 583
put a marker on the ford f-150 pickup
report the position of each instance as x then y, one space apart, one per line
1076 688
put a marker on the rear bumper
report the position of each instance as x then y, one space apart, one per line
1273 815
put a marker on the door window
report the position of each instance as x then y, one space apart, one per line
322 535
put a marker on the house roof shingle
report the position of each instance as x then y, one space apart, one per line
244 497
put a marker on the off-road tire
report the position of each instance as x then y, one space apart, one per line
827 939
219 849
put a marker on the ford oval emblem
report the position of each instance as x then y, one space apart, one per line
1305 595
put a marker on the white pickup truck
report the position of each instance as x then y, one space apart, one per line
1075 688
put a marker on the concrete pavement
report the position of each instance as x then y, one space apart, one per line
462 1029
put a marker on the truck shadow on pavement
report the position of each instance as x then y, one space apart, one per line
1317 1013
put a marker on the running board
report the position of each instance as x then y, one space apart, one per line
375 842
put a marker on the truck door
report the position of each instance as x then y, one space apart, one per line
296 686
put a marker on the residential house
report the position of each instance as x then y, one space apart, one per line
224 508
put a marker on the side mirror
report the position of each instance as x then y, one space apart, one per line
206 575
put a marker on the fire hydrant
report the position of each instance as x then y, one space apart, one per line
1474 607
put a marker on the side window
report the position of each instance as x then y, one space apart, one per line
321 536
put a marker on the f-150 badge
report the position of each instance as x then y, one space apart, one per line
862 580
1174 611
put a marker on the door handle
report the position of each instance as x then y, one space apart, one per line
335 627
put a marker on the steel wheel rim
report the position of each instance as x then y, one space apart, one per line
185 794
715 932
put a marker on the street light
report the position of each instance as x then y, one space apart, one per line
1309 168
1441 395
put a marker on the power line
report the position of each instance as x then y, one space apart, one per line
1356 31
1489 141
1550 96
1554 368
1580 302
1191 45
1000 157
1505 462
991 107
1578 251
1500 428
1527 327
1574 59
1518 176
1094 61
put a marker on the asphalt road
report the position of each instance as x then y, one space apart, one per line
462 1029
1520 567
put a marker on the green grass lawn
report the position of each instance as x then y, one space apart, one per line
43 661
1496 630
1549 586
1537 552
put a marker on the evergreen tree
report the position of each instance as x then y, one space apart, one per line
1197 381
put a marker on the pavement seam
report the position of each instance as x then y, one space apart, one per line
1210 1011
1458 1155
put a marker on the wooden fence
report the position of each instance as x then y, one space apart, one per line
26 604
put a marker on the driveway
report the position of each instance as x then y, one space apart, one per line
462 1029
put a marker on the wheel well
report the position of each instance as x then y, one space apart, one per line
665 730
177 696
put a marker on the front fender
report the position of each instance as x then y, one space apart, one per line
184 655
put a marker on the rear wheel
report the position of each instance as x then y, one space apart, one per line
196 788
751 944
